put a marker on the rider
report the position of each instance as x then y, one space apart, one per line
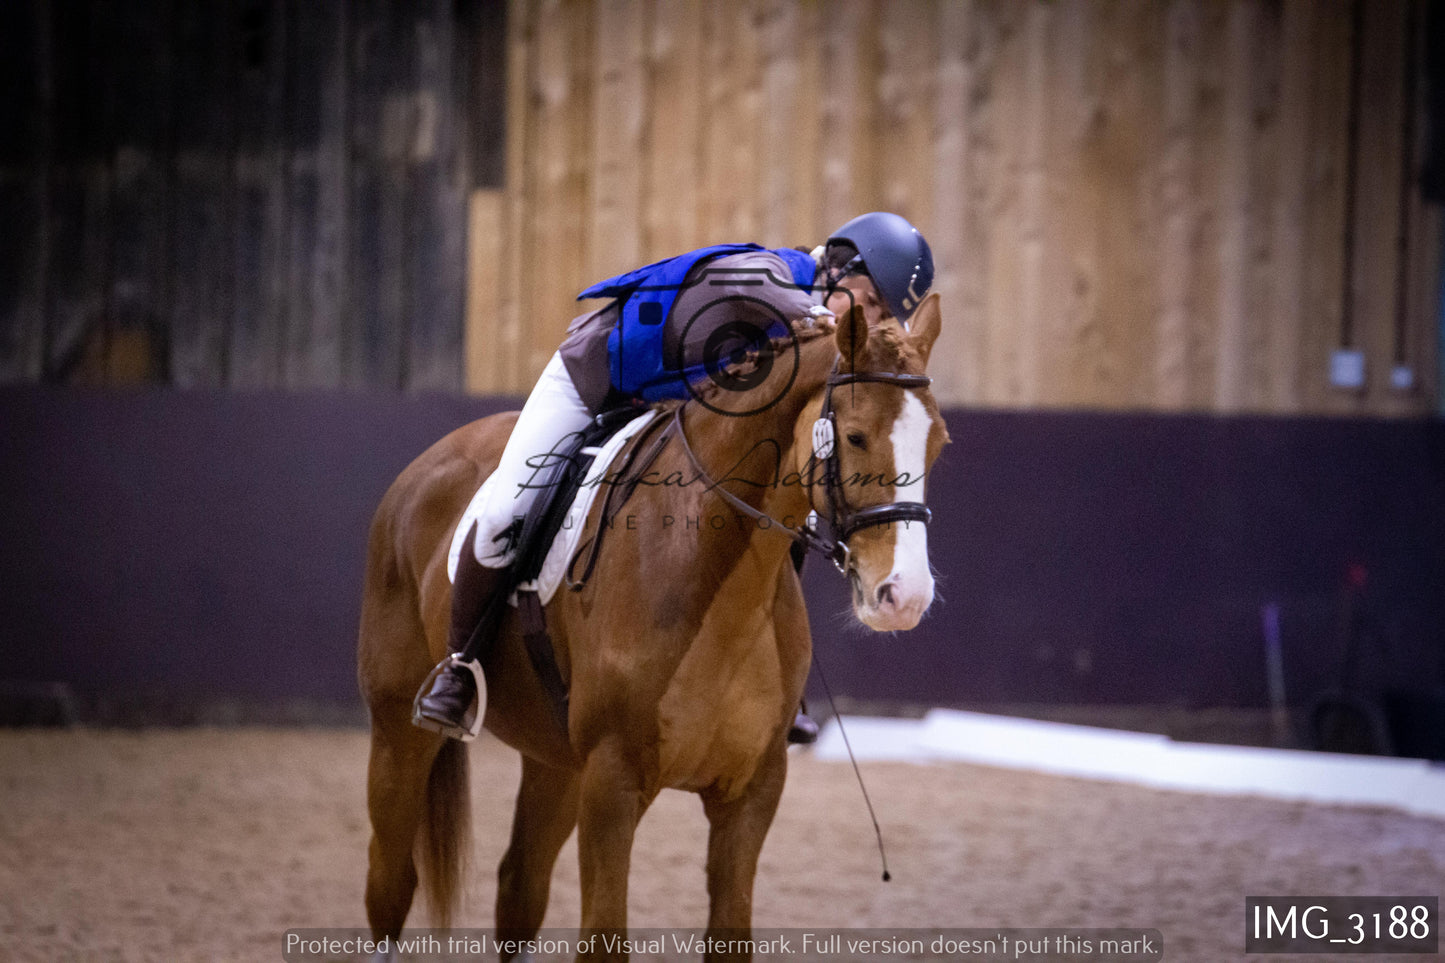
621 354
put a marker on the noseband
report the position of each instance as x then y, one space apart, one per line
843 520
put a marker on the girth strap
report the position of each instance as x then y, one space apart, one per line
540 652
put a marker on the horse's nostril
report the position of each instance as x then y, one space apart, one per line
885 593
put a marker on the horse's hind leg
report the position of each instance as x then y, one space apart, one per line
737 829
401 762
545 815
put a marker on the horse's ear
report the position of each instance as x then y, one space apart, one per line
927 323
852 337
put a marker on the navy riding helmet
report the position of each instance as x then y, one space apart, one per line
895 256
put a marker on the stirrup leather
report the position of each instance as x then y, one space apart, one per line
472 721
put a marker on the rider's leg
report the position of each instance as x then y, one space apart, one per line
553 411
447 704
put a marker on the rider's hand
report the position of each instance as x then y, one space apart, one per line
820 317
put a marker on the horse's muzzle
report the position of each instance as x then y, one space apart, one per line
895 604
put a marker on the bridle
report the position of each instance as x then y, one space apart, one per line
843 520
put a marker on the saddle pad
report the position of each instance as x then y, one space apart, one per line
564 546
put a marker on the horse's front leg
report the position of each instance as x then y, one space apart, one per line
737 829
545 814
612 802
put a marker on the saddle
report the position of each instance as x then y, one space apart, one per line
536 541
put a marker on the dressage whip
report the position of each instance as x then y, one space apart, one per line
878 832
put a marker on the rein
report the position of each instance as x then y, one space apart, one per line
843 521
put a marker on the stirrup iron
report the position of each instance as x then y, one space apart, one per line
472 720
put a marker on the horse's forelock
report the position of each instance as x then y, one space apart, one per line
889 349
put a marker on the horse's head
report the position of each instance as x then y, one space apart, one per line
886 434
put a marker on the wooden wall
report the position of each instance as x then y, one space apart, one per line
242 193
1134 204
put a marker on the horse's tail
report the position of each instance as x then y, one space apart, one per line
446 832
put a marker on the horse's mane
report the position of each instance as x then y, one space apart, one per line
806 339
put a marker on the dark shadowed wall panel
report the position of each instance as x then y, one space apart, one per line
210 546
248 193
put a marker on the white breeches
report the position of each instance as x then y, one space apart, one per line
553 411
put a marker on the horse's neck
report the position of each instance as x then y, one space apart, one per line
710 553
757 450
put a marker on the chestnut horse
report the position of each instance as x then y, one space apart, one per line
686 651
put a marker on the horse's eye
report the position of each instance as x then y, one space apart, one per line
857 440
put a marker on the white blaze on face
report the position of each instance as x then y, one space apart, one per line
910 581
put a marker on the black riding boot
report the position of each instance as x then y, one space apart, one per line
803 731
453 699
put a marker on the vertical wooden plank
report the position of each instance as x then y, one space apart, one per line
1066 157
557 252
1325 192
25 159
784 115
987 198
507 365
136 331
1099 303
1016 133
1264 357
78 262
485 43
670 192
1286 348
956 363
1231 375
732 98
1424 345
907 43
1178 210
481 120
380 117
316 194
1027 284
805 225
261 209
199 266
1421 344
842 93
436 212
486 223
850 70
1206 180
1377 197
617 117
867 151
1131 300
1395 399
483 126
792 135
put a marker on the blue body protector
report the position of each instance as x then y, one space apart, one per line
646 296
